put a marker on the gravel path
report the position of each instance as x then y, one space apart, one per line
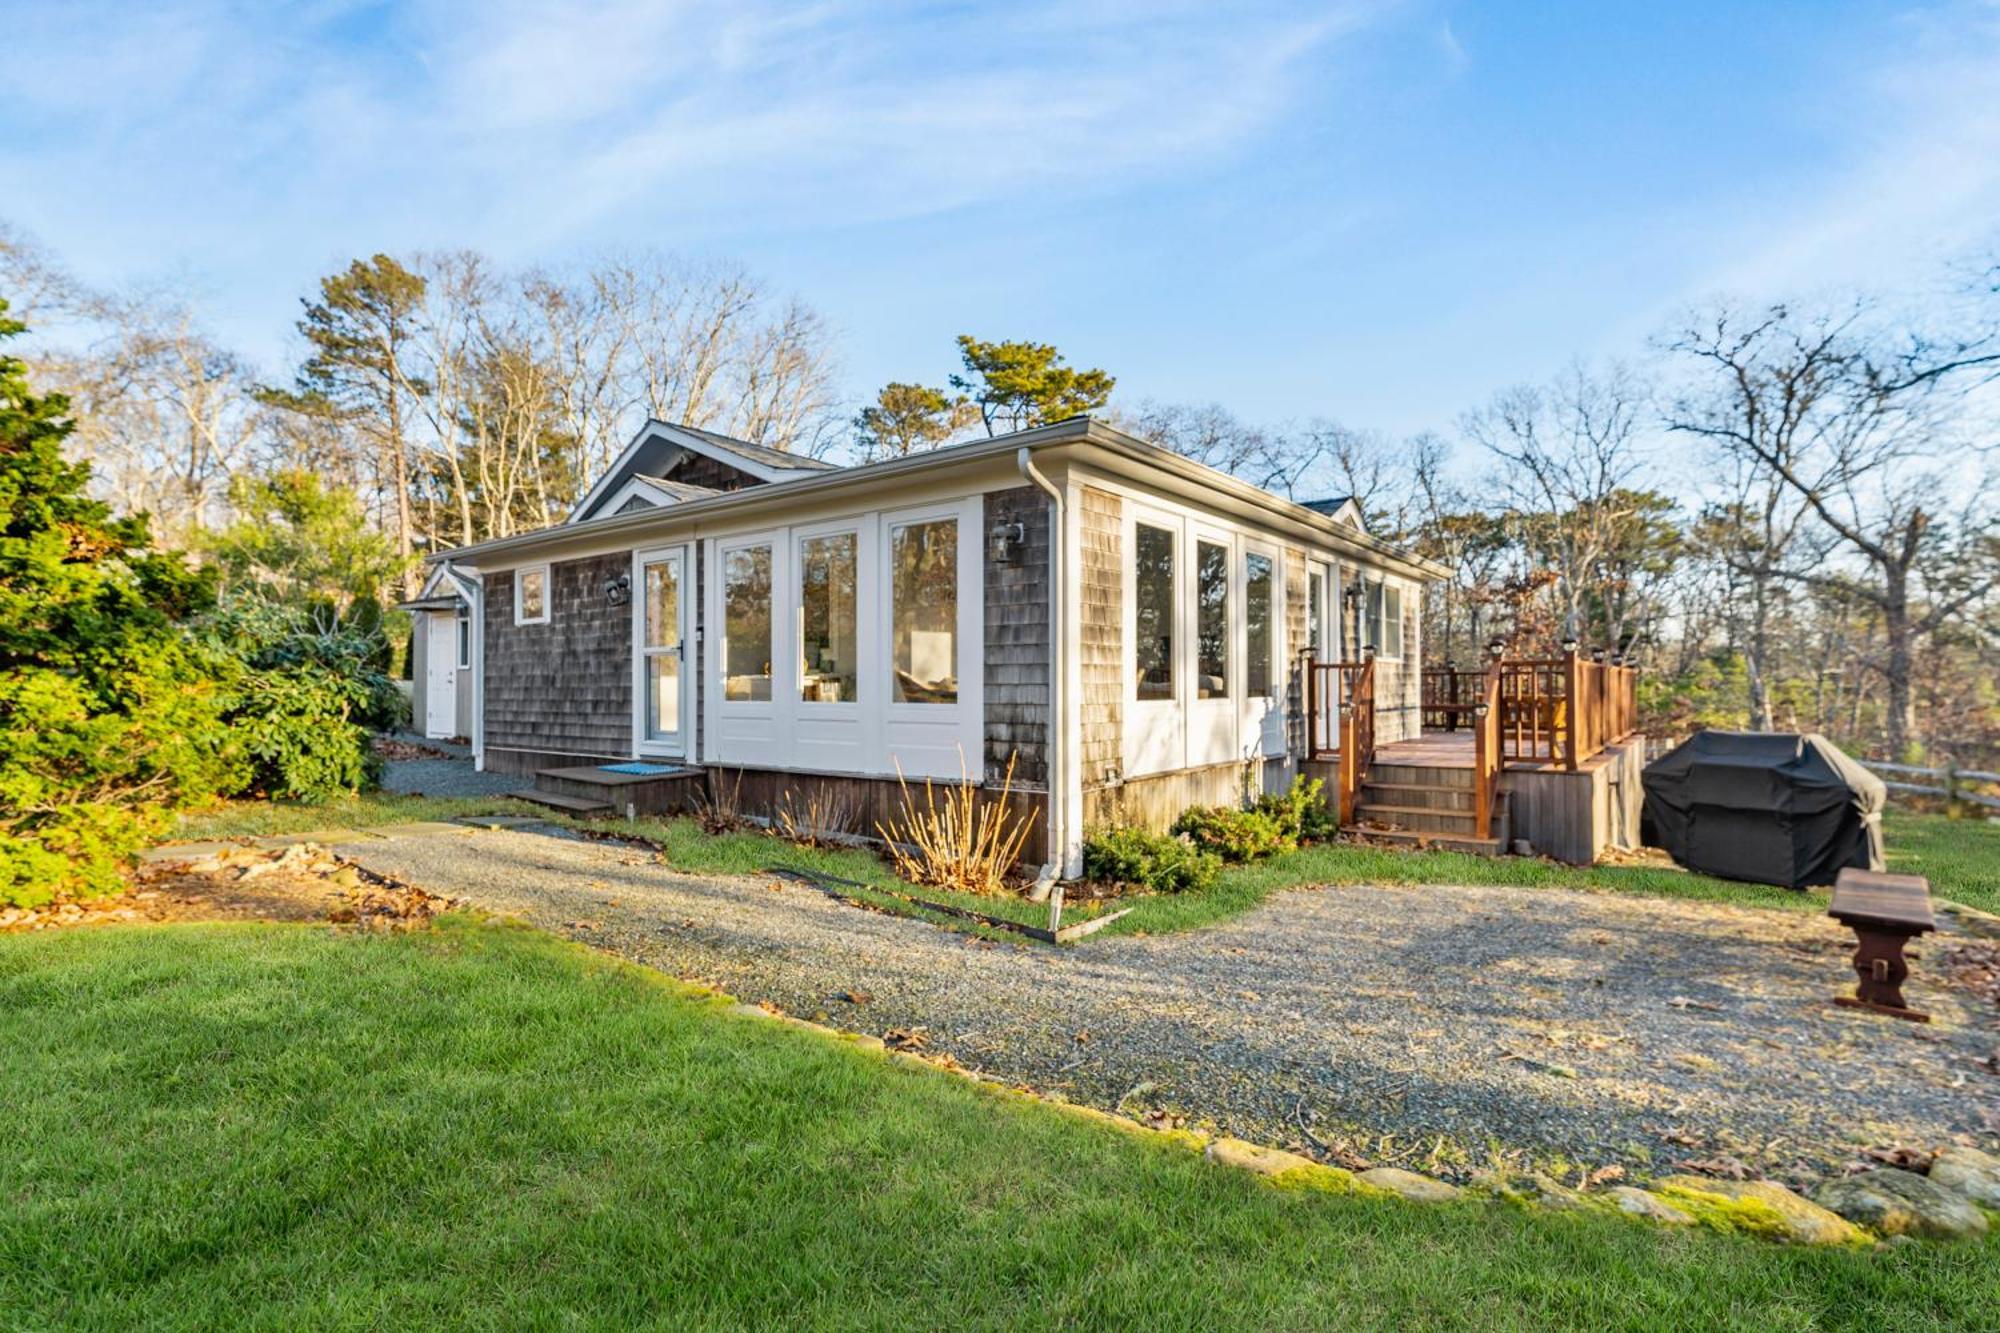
451 776
1445 1027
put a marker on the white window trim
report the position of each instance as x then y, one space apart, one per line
548 590
644 746
1200 535
855 526
1387 585
462 632
966 524
781 599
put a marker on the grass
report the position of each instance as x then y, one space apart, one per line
289 1127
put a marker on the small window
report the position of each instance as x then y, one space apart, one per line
1315 612
923 633
1153 612
531 596
1384 630
827 638
1257 634
1211 633
464 640
746 625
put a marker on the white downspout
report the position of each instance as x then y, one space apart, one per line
1059 756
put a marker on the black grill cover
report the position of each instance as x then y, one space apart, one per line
1769 808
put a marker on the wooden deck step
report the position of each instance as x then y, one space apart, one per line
1443 842
555 800
670 792
1418 794
1416 818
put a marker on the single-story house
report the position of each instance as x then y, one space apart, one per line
1122 626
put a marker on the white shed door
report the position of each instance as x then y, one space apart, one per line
441 677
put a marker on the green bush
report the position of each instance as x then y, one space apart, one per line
1302 813
1151 861
1234 835
310 691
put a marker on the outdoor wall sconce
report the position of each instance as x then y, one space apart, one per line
618 590
1008 539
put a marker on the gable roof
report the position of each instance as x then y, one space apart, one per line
1341 508
658 444
1100 444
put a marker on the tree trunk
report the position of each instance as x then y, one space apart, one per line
1900 716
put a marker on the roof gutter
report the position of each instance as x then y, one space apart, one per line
1059 694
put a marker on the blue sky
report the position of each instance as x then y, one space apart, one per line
1374 212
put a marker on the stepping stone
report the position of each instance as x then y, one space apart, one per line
1902 1203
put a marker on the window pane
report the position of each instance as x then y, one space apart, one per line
1211 634
826 617
1373 636
663 604
464 641
661 627
1153 612
1315 613
924 611
746 624
1392 622
1257 626
532 593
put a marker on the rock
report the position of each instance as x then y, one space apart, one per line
1536 1189
1762 1207
1643 1203
1408 1184
1970 1172
1902 1203
1253 1157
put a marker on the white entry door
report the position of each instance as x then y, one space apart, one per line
441 676
659 657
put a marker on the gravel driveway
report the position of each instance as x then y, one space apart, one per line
1447 1027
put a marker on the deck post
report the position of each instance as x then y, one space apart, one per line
1572 705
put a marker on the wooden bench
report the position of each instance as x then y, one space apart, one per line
1885 911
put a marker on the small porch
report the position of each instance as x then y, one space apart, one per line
1538 750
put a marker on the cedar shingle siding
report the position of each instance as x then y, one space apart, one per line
564 686
1017 641
1100 632
712 473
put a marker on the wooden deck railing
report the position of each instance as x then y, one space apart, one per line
1449 696
1485 720
1564 710
1357 737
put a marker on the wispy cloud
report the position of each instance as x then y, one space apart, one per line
537 120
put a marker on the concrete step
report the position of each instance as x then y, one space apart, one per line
1443 842
555 800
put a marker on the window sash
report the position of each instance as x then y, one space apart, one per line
924 646
1259 633
828 616
1212 630
1154 606
746 623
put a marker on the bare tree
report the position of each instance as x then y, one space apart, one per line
1820 410
1569 458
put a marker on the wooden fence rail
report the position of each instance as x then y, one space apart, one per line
1949 785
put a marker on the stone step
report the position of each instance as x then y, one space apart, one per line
555 800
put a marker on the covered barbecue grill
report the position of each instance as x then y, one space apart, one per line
1769 808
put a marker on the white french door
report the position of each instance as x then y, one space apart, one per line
661 706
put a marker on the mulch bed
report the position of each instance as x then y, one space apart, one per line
300 883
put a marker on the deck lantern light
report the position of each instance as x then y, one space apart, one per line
1495 646
1597 654
1569 644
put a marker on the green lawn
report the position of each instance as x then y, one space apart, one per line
260 819
290 1127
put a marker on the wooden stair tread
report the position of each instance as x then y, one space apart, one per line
1440 811
575 805
1451 842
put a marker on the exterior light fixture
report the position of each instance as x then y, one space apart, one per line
618 589
1008 539
1495 646
1569 643
1597 654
